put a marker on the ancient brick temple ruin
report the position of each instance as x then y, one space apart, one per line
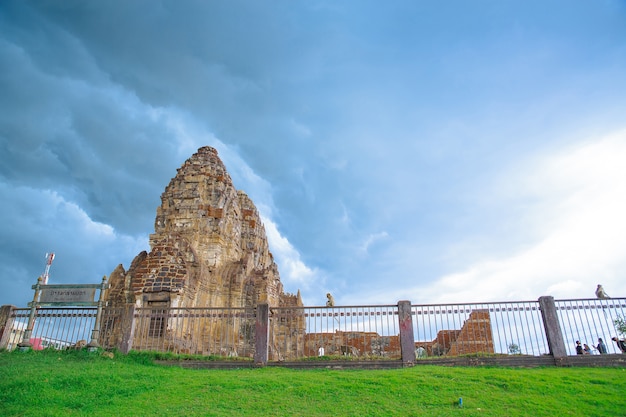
475 336
208 249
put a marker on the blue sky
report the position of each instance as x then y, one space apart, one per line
435 152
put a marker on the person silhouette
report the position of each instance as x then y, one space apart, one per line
621 344
579 348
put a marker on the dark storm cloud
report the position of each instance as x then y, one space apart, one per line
230 66
42 221
75 132
369 133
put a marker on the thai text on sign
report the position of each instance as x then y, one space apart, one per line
67 295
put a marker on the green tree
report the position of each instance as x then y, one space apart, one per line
514 349
620 325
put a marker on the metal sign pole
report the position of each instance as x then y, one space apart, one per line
25 343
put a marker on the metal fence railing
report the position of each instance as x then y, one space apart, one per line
54 327
227 332
351 332
486 328
363 332
587 320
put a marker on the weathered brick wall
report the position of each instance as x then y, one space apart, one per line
475 336
361 344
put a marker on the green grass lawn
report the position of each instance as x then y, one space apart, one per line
51 383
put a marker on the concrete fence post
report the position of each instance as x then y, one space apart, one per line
553 330
127 327
6 325
407 341
261 334
94 343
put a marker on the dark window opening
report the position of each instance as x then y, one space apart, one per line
157 324
158 318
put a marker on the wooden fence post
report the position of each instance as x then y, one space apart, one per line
407 341
261 334
553 330
6 325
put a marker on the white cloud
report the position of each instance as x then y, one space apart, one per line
188 134
76 215
292 270
299 129
576 208
371 239
345 215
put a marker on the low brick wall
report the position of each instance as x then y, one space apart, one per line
615 360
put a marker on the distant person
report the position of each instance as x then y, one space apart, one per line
621 344
600 293
579 348
601 347
330 300
587 349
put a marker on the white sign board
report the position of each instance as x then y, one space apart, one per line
67 295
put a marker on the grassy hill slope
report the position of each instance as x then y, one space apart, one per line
51 383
